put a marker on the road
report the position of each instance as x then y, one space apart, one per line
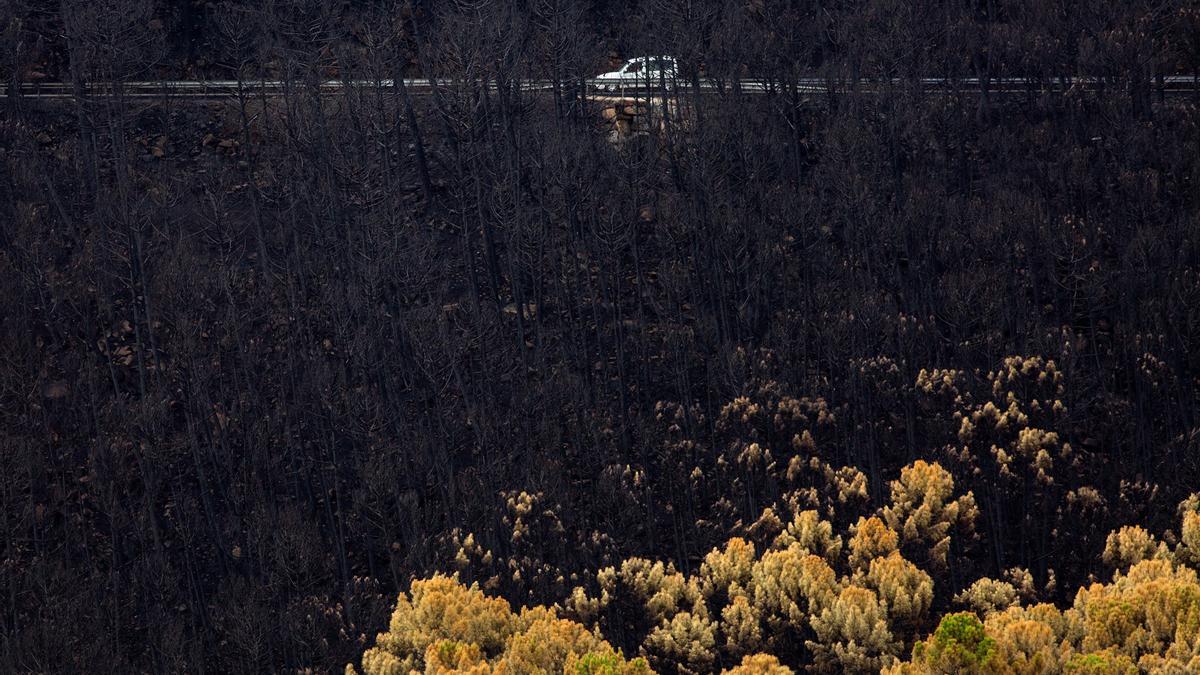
221 89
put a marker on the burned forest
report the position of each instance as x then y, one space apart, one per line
583 336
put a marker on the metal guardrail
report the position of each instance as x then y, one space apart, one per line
227 88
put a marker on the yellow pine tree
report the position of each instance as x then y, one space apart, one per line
441 626
925 512
759 664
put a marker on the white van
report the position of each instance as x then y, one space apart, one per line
641 73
